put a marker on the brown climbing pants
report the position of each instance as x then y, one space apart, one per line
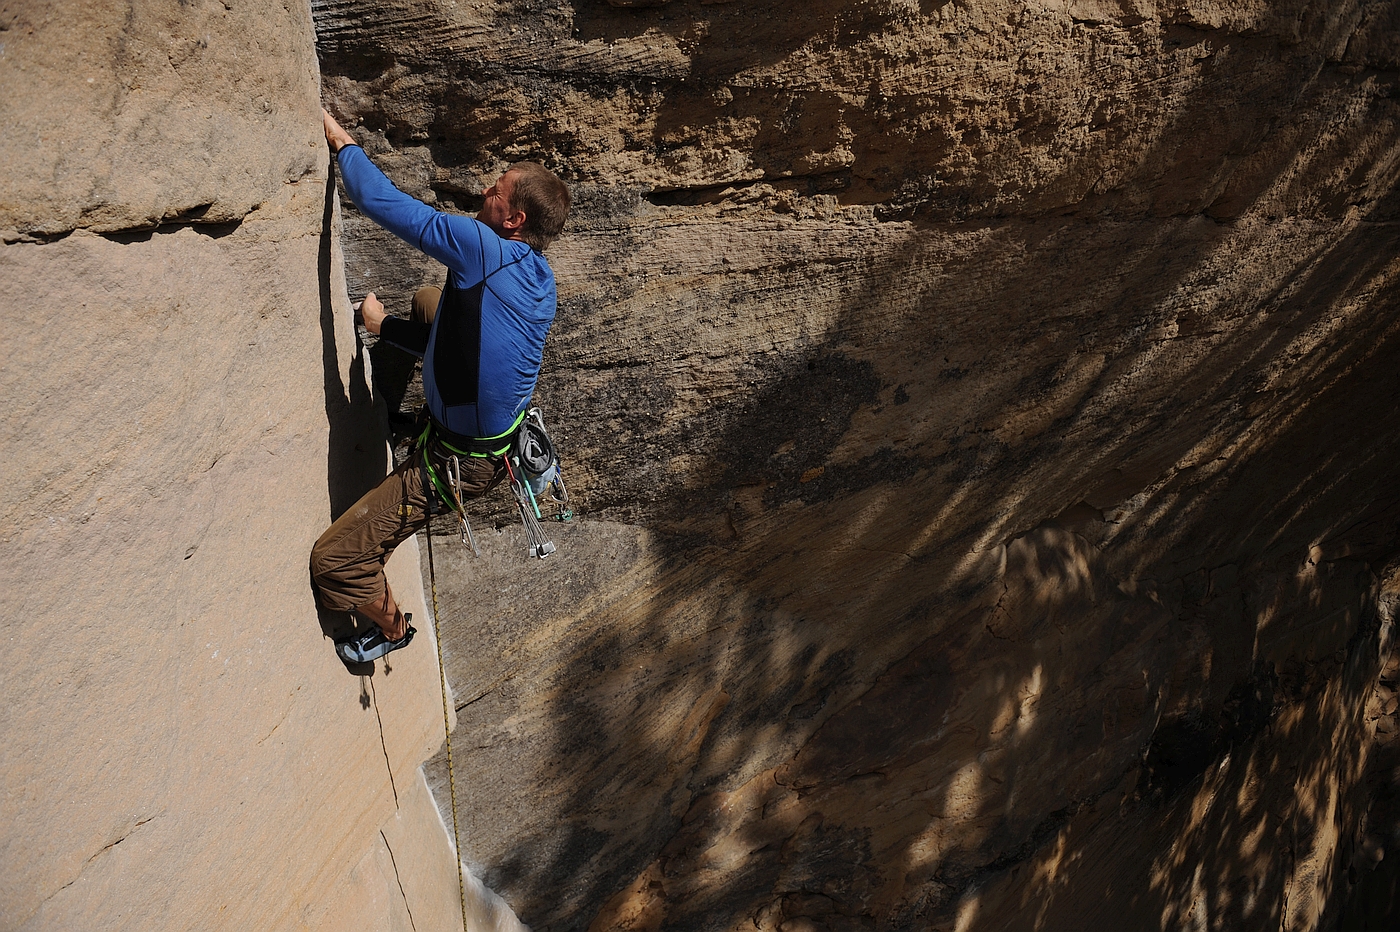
425 304
347 563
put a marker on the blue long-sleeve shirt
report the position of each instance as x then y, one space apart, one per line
482 354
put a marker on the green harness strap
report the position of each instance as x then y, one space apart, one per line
438 484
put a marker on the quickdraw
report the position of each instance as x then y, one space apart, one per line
533 467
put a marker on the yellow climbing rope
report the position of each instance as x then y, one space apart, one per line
446 719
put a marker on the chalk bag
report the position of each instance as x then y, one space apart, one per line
538 460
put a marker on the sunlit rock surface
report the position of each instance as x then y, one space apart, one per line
186 407
982 422
981 417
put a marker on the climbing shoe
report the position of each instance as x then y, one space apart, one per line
372 645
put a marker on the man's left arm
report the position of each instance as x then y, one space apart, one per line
408 335
456 242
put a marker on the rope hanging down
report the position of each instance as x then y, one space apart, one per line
446 717
533 469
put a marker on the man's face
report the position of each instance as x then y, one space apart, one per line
496 210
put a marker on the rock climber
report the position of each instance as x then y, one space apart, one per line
481 340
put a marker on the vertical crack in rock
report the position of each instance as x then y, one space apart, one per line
399 880
383 745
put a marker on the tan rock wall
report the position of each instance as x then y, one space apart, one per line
982 416
187 407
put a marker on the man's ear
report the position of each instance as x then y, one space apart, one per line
514 220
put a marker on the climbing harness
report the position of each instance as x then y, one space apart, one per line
532 467
449 449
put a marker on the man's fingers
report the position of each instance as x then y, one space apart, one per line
371 312
335 133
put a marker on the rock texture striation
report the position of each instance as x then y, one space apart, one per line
983 417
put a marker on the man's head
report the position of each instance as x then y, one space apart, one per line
527 203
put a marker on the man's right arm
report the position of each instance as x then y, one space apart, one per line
408 335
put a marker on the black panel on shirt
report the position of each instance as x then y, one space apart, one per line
457 352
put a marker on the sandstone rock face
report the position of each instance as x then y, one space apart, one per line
187 407
982 416
137 114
